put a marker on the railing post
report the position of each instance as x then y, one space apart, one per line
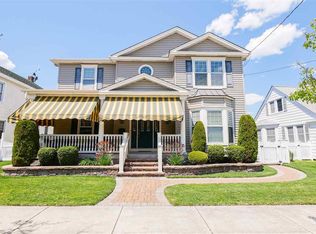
121 159
159 152
183 129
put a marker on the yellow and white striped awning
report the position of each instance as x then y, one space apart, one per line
50 108
142 108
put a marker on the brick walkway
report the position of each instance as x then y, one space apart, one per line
150 190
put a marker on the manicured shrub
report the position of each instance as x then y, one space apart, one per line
47 156
197 157
88 162
25 144
235 153
248 138
175 159
105 160
198 141
216 154
68 155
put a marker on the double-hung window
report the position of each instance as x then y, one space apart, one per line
201 73
271 135
307 133
195 117
272 107
89 77
1 91
214 127
290 132
300 133
217 73
279 105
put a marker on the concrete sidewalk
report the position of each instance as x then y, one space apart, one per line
158 219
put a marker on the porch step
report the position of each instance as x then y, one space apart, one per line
140 163
141 174
140 168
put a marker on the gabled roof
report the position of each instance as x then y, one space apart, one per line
155 38
212 37
19 78
140 77
286 92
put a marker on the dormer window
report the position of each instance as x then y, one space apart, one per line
146 69
89 77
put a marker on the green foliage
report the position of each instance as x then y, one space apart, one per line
216 154
26 143
47 156
291 156
175 159
198 141
235 153
197 157
105 160
68 155
248 138
88 162
306 90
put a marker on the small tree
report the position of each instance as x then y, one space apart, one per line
25 144
248 138
198 141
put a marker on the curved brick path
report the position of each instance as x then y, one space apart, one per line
150 190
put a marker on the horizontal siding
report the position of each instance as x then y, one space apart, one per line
161 47
129 69
180 72
207 46
66 75
143 85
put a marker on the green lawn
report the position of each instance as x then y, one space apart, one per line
4 163
54 190
267 171
295 192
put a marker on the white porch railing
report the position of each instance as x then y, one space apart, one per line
85 143
123 152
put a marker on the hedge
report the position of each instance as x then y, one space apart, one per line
68 155
47 156
216 154
197 157
235 153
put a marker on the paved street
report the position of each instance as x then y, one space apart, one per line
158 219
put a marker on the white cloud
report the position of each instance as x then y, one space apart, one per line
259 12
223 24
5 61
253 98
276 42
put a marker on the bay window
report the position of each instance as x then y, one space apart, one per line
214 127
195 117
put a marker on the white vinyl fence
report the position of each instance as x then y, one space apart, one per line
5 150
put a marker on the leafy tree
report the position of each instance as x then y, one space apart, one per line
248 138
306 90
198 142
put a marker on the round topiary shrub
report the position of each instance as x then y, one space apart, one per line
216 154
68 155
197 157
47 156
198 141
25 144
235 153
248 138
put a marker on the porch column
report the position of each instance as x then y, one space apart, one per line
101 122
183 138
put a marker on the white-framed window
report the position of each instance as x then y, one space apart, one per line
146 69
215 126
279 105
209 73
272 107
1 91
276 106
300 133
230 120
89 76
1 127
283 133
270 134
85 127
307 133
259 133
195 116
290 133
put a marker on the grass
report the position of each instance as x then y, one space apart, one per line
267 171
54 190
3 163
280 193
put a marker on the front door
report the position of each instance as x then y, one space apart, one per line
144 134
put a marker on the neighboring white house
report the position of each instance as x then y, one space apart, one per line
285 128
12 97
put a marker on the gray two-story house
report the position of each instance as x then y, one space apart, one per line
146 97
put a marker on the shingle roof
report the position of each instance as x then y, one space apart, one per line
209 92
19 78
288 90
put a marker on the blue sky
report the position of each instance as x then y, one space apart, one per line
36 31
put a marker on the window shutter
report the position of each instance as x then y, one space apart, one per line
228 66
78 75
188 65
100 77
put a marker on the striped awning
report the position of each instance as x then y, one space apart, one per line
52 108
142 108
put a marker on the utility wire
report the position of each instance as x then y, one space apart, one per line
273 31
279 68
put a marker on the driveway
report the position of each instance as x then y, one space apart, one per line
158 219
